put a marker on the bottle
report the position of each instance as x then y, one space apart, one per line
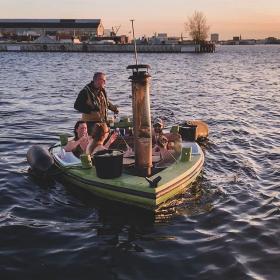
62 153
128 131
111 122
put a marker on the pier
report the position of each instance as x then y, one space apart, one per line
118 48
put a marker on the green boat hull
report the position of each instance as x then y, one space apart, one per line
134 190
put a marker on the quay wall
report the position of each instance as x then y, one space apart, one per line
68 47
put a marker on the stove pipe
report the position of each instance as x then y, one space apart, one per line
141 118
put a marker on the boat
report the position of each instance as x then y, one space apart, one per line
143 179
144 192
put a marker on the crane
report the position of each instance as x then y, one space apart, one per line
115 30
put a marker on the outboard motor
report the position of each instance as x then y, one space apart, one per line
194 130
40 160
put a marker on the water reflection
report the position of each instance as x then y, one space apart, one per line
228 228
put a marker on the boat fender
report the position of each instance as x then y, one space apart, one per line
39 159
153 183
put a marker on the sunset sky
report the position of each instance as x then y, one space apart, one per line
249 18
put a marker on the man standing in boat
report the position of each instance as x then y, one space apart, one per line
93 103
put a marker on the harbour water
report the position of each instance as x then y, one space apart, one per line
228 228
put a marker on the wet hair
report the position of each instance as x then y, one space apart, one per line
76 127
97 74
158 123
97 135
99 131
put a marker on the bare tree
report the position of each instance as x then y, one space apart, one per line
197 27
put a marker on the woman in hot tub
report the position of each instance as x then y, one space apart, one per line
99 135
81 140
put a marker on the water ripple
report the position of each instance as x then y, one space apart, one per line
226 227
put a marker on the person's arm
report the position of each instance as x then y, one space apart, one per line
113 108
90 147
72 145
83 142
112 139
110 105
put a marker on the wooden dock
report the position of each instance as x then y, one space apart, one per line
119 48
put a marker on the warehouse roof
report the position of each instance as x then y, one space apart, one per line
49 23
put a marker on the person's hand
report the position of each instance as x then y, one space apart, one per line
113 137
84 141
116 110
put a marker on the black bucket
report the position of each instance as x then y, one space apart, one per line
108 163
188 132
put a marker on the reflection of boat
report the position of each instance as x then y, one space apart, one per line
132 189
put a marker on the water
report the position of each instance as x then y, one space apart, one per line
227 229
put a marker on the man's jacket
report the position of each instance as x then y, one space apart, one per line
93 104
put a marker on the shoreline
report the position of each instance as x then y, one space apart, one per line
124 48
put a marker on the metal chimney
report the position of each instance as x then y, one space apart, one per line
141 118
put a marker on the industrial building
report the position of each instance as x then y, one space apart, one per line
32 28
